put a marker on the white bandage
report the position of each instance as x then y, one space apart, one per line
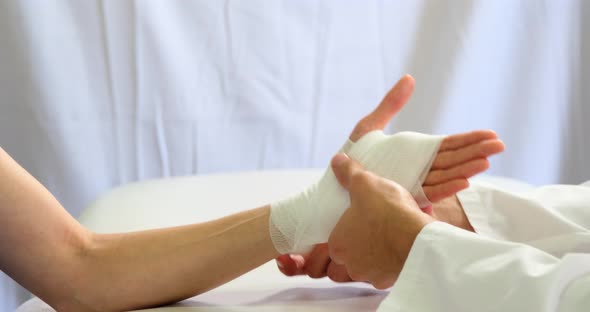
306 219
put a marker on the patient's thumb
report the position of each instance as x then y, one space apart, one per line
393 102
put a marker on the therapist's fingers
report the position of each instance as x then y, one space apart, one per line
444 190
391 104
480 149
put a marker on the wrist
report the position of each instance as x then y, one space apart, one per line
450 210
401 238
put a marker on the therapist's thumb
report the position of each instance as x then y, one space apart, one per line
345 169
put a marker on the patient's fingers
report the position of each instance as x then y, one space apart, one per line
392 103
460 157
465 170
481 149
455 141
338 273
316 264
444 190
290 265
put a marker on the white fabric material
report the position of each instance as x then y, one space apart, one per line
530 217
137 88
307 218
97 94
532 253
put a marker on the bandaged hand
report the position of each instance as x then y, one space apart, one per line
306 219
459 157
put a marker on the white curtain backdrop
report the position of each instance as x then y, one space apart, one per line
95 94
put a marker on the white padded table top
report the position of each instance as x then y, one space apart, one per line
177 201
184 200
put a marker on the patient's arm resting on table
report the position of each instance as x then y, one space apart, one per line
72 269
118 271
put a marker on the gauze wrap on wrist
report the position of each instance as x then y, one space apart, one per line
306 219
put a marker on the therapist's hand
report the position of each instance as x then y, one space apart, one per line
374 236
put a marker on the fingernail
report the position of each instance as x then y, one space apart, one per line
339 159
428 210
299 260
406 85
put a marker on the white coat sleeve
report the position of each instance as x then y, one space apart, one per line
449 269
552 218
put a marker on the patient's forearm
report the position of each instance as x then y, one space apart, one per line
154 267
51 254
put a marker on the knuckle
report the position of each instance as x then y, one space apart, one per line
382 284
334 247
337 273
284 271
358 178
321 250
337 277
336 252
316 273
364 126
356 275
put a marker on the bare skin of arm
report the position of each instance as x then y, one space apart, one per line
73 269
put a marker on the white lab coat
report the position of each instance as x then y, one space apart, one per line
531 253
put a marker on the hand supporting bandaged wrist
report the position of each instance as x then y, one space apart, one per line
306 219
